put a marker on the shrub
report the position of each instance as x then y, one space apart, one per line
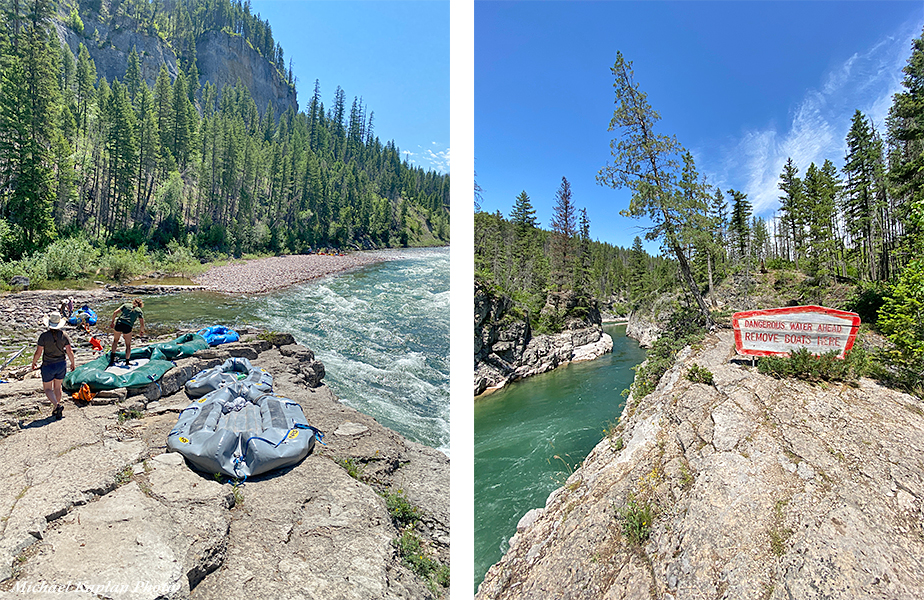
69 258
411 551
802 364
123 265
685 327
353 469
866 301
402 512
179 260
698 374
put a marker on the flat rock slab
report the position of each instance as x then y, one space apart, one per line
94 500
315 533
131 543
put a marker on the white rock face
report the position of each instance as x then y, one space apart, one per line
760 488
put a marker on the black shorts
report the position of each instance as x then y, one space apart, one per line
123 327
54 371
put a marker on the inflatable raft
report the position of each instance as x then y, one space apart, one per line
231 371
147 364
219 334
85 314
240 432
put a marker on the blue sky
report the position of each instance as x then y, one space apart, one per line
743 86
394 55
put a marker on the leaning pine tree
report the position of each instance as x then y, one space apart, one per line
647 164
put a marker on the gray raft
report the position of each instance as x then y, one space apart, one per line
231 371
239 430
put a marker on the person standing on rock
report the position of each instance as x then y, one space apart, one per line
123 321
53 346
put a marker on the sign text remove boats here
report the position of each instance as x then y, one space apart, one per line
779 331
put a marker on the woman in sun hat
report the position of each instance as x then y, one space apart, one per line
126 314
53 347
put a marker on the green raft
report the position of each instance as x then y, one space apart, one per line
146 365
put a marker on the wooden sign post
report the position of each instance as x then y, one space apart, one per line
779 331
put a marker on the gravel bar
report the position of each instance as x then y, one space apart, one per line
267 274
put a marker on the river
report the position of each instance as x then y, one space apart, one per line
382 333
529 437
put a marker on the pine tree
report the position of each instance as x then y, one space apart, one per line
523 215
791 211
148 145
863 199
739 227
86 79
183 122
906 138
29 109
582 268
123 149
639 275
646 163
163 101
563 230
820 189
133 76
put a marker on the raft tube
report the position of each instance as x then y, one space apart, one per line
231 371
239 432
84 314
219 334
147 364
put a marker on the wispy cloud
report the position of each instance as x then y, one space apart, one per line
432 158
819 123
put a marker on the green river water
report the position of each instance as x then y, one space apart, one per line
382 333
530 435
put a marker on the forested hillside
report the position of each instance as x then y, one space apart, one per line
174 160
515 256
855 220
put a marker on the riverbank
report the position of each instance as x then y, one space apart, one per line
94 500
263 275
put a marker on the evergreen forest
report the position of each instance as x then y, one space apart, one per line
854 222
90 165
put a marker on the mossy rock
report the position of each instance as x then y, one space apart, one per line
278 339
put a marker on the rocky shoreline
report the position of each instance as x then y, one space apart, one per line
506 349
757 488
94 499
277 272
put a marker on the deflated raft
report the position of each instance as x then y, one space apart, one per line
219 334
240 431
147 364
231 371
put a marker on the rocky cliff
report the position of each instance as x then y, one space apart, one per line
223 58
506 349
94 505
758 489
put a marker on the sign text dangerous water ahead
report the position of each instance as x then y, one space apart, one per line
779 331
